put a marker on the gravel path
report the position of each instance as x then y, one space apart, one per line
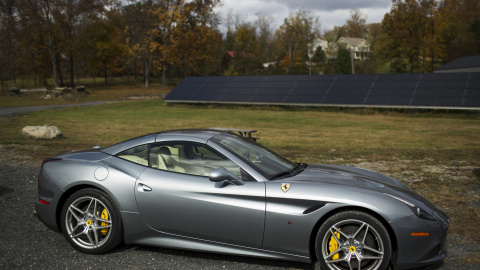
9 111
26 243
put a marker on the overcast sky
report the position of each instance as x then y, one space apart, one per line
331 12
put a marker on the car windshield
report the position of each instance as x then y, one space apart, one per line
269 163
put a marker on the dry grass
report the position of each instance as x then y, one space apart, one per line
118 90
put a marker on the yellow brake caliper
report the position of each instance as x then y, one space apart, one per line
104 216
333 245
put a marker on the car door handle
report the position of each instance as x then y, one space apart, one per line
142 187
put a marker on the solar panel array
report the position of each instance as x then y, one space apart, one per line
460 90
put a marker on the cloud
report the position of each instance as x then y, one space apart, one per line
329 5
331 13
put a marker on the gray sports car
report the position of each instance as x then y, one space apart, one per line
214 191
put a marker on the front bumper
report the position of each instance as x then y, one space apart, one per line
417 251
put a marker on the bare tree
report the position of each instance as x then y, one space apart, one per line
356 25
298 34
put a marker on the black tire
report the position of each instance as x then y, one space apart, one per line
357 230
82 223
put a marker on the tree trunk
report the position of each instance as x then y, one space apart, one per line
135 70
72 79
146 72
164 71
164 77
290 61
51 49
105 72
59 69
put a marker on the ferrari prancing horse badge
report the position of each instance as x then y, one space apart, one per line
285 187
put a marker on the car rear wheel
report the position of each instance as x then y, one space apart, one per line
353 240
91 222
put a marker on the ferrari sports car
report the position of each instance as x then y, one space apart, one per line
214 191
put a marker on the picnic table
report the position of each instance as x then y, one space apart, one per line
246 133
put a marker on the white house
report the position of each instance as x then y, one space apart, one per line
358 46
314 46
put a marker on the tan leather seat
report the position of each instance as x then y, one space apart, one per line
167 162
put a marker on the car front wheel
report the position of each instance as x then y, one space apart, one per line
91 222
353 240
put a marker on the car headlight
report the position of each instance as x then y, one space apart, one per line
419 212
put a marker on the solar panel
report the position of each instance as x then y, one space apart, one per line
449 101
376 100
425 90
424 101
471 102
353 100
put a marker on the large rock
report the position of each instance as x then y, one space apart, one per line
46 132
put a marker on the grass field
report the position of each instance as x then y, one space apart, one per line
434 153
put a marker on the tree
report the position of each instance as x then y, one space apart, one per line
343 63
335 34
319 56
104 40
158 31
196 49
457 28
77 15
409 32
265 37
141 30
9 47
52 24
297 35
356 25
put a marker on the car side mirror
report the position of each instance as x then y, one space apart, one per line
221 174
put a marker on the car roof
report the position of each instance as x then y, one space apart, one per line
196 135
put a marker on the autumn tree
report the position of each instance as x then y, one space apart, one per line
159 30
264 37
104 40
334 34
242 41
297 35
9 47
77 14
458 28
141 30
356 25
196 50
409 32
52 25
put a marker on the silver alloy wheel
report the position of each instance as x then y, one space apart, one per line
360 246
84 222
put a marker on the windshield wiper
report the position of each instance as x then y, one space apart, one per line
299 167
280 174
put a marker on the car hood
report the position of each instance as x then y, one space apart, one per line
346 175
361 178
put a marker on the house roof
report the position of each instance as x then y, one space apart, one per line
353 41
462 62
234 54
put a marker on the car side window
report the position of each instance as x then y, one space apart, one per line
138 154
191 158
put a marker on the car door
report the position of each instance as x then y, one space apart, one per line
175 196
